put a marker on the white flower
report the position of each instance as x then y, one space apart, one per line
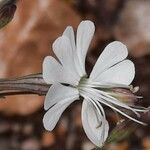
70 81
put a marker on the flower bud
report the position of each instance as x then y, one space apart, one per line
7 10
122 131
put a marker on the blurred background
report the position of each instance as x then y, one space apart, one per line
27 39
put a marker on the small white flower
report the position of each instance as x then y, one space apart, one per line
70 81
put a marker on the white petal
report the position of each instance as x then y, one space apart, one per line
53 114
121 73
112 54
95 126
63 50
70 34
85 33
58 92
53 72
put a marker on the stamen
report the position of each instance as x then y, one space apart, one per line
101 123
93 102
124 113
101 108
85 88
106 85
104 95
134 89
111 106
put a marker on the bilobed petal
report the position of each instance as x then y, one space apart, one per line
53 72
85 34
112 54
121 73
58 92
63 50
96 127
53 114
70 34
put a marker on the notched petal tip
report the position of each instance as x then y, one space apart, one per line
52 70
46 59
58 42
113 53
57 93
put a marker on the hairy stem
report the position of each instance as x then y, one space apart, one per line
31 84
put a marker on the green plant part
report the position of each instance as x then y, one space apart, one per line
122 131
7 10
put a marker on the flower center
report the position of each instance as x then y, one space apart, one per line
82 83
